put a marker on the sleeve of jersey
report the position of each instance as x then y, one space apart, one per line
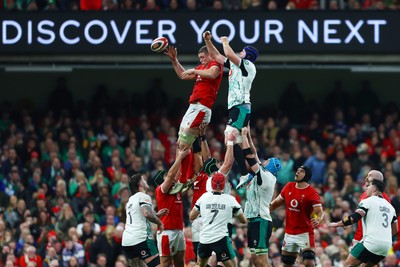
363 206
267 178
215 63
316 200
198 202
145 200
227 63
237 209
282 194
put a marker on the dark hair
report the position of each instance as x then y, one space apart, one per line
379 185
203 49
133 182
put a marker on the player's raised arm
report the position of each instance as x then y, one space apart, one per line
214 53
172 53
228 51
172 172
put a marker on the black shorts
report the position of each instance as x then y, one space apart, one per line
364 255
258 234
239 116
142 250
223 250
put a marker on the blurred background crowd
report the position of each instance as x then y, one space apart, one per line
197 5
64 170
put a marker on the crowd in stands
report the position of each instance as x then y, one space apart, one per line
64 170
197 5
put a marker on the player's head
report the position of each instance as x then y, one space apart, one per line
204 56
135 181
273 165
210 166
218 181
251 53
303 174
376 186
374 174
159 177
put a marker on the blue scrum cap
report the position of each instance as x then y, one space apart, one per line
251 53
274 165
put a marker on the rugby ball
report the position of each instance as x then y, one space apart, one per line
159 44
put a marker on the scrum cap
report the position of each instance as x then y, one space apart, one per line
274 165
210 166
218 181
251 53
308 173
159 177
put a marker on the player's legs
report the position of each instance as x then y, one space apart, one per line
239 117
202 262
360 254
290 250
224 251
351 261
258 234
170 243
189 129
179 258
153 261
204 253
144 252
229 263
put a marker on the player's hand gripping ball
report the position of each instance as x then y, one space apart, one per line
159 44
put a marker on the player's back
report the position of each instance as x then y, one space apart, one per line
216 209
137 228
377 224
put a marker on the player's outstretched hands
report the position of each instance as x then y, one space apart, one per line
187 74
162 212
207 35
183 152
171 52
202 129
333 225
224 39
315 222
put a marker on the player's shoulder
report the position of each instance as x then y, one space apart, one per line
289 185
215 63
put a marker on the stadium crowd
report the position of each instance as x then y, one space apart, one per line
197 5
64 171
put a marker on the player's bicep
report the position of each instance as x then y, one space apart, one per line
235 59
220 59
214 72
146 210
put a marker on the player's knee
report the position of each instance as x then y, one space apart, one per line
231 130
187 138
154 262
288 259
308 255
